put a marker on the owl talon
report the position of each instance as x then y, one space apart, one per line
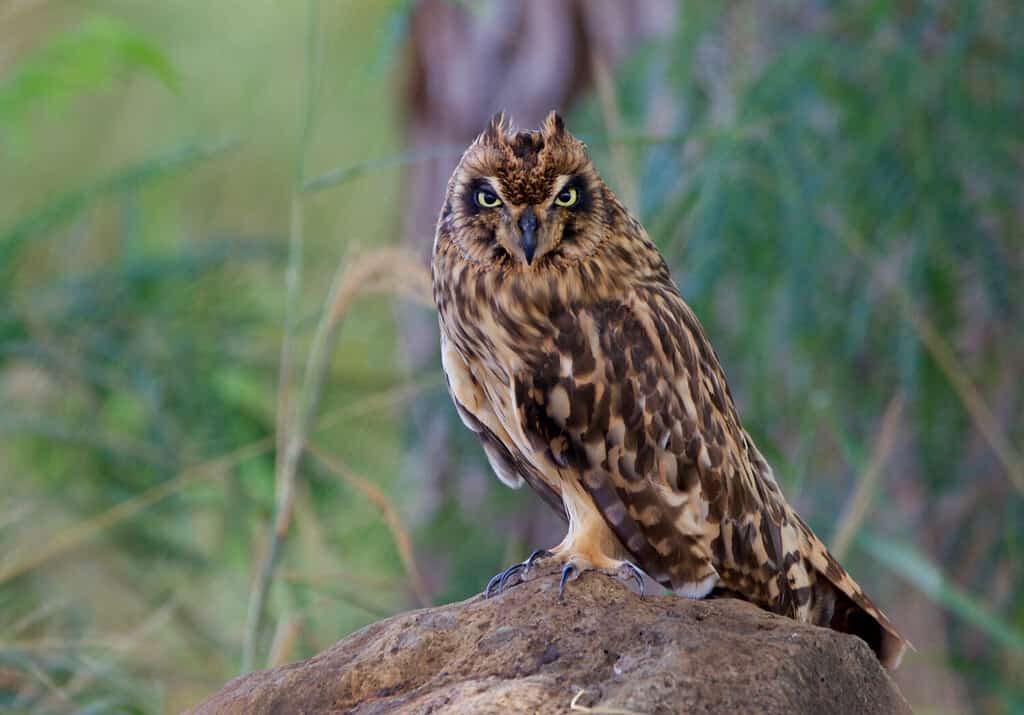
533 558
500 580
495 580
511 571
567 573
637 575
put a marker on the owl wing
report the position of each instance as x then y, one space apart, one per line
474 409
631 398
612 400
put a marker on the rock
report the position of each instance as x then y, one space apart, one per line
524 651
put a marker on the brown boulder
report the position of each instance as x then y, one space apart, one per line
524 651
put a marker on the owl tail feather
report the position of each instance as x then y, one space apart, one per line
840 604
869 625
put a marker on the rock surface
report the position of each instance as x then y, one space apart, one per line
524 651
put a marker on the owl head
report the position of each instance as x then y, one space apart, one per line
524 200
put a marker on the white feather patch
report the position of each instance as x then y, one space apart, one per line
697 590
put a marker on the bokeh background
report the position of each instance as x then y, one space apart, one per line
224 436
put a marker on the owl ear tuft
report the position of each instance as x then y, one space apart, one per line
495 132
553 125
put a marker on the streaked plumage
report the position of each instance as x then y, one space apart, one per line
572 355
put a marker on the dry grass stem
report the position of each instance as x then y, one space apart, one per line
329 579
287 633
944 357
329 598
17 513
345 174
392 397
857 506
123 645
404 277
983 417
399 532
390 269
286 456
39 614
88 528
218 466
54 691
288 453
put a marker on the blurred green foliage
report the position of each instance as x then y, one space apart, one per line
81 61
802 168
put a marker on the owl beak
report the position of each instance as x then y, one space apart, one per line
528 238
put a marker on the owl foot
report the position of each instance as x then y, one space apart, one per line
500 580
627 570
570 571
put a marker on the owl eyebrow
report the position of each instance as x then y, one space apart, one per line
478 184
562 185
574 181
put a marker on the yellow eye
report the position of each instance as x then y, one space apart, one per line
567 197
487 199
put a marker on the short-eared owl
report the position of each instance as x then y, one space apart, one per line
569 351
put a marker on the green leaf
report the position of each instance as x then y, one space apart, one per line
85 59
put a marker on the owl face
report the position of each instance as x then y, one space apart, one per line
524 201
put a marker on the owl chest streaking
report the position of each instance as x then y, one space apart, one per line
569 351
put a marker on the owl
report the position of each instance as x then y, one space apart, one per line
569 351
